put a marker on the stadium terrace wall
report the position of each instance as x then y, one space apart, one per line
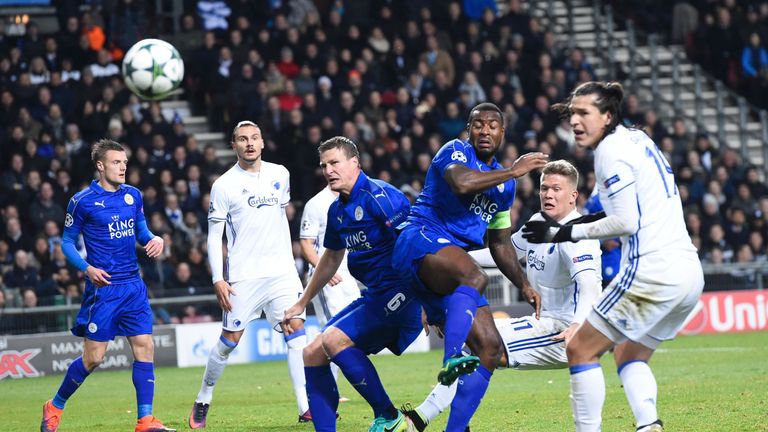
182 345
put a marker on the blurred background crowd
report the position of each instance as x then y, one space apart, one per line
398 77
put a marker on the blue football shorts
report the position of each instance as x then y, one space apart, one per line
119 309
390 319
413 244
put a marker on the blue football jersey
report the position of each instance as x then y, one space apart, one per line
364 225
108 222
465 217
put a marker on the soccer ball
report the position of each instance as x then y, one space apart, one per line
152 69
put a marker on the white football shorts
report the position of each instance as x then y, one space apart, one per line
529 343
649 300
332 299
272 295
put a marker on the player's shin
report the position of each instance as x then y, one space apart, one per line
587 396
359 371
437 401
296 342
144 381
323 397
462 307
217 361
640 388
470 392
76 374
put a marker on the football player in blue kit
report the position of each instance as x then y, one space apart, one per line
361 221
110 216
466 193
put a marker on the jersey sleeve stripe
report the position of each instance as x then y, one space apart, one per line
624 187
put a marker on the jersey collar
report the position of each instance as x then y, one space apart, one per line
360 183
98 189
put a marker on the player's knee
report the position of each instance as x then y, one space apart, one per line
476 279
93 360
314 354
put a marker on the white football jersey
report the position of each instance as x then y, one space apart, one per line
552 267
314 220
627 157
253 207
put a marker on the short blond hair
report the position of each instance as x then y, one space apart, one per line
564 168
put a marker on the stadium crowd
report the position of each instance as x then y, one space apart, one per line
397 77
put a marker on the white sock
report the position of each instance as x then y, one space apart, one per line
587 397
335 371
296 370
437 401
217 361
640 388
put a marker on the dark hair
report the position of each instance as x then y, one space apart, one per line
484 106
609 96
242 124
102 146
339 142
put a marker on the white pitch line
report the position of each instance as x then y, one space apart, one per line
705 349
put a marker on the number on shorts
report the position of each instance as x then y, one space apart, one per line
525 325
395 302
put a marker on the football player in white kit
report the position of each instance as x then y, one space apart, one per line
660 280
248 202
342 288
566 275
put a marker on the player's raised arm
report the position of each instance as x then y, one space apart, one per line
464 180
505 256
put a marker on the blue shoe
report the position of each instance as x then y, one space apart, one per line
398 424
456 366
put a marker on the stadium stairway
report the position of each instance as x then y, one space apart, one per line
675 95
199 127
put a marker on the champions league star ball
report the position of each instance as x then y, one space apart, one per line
152 69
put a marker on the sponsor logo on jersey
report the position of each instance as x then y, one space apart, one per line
611 180
357 242
18 364
582 258
68 220
443 240
120 228
128 198
459 156
99 203
534 261
260 202
484 207
211 209
358 213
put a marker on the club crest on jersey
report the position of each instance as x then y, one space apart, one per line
500 187
276 185
115 218
459 156
93 328
68 220
358 213
128 199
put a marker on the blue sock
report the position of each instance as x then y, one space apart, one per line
76 374
470 392
460 314
144 382
323 397
362 375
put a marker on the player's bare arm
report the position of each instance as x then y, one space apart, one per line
465 181
310 254
505 256
326 268
154 247
98 276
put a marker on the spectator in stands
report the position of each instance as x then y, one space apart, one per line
754 67
44 208
16 238
22 275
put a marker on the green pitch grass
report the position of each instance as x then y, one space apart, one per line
706 383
